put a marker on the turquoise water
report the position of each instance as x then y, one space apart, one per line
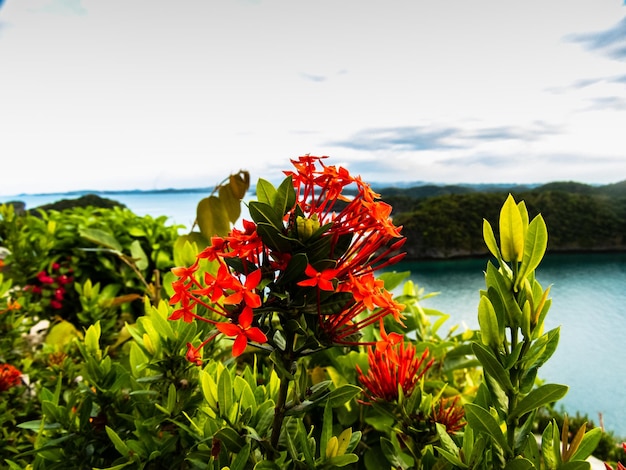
589 304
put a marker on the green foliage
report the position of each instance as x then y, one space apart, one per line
580 218
106 383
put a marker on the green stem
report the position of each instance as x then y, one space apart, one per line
279 411
289 365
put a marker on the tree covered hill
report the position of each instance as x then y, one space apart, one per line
446 221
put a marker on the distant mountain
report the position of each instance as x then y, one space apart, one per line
446 221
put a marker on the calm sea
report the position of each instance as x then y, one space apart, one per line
588 303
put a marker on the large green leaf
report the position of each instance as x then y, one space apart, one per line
100 237
265 213
239 184
224 392
511 231
343 394
230 438
273 237
504 286
492 366
534 247
265 192
285 197
212 217
487 320
138 255
519 464
481 420
232 203
490 240
538 397
588 444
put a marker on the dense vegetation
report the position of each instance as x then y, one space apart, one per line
106 364
446 221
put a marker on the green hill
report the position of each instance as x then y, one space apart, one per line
446 222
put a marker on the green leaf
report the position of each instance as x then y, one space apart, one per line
538 397
119 444
488 322
240 460
239 184
224 393
519 464
273 237
504 287
482 421
327 428
343 394
449 449
304 445
61 334
212 217
209 389
230 438
511 231
285 196
534 247
265 191
264 213
492 366
588 444
490 240
100 237
550 446
187 247
232 204
138 255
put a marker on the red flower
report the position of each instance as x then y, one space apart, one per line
323 279
242 332
9 377
185 312
448 412
395 367
246 292
193 354
44 278
267 269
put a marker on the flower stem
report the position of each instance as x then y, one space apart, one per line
286 376
279 411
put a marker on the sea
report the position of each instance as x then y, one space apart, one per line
588 294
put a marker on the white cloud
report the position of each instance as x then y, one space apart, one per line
150 93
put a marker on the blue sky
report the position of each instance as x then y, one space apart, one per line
148 94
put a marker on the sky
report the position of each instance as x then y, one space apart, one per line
147 94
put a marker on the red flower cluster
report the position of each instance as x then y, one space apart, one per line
9 377
393 368
450 413
51 286
310 250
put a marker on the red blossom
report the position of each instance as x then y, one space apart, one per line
185 313
396 367
242 332
346 238
246 292
448 412
322 279
9 377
